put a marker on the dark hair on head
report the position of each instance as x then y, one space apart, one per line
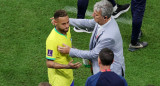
60 13
106 56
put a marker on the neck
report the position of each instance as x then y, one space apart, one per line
104 68
105 21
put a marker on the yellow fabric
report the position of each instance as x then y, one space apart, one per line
58 77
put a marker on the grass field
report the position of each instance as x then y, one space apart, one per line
25 25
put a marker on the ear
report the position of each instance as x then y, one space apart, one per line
99 61
113 60
55 22
105 17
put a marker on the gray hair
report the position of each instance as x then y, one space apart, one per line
105 7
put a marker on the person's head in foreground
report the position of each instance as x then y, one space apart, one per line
106 57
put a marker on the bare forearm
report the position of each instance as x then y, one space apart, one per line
70 65
51 64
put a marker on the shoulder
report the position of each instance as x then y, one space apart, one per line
112 25
95 76
93 79
111 76
119 79
51 37
110 79
125 82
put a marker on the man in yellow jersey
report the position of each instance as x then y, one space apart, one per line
60 65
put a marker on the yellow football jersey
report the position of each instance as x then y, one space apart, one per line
58 77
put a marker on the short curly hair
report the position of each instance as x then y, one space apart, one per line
60 13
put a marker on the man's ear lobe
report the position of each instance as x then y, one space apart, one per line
99 61
113 60
105 17
55 22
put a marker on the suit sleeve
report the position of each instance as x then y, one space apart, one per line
83 23
90 54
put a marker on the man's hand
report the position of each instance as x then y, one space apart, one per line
64 50
52 20
74 65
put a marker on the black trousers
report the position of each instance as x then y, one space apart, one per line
137 10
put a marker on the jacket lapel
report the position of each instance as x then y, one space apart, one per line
92 37
95 37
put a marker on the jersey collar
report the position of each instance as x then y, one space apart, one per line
59 32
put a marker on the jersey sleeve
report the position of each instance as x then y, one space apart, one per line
51 50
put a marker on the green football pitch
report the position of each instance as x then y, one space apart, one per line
25 25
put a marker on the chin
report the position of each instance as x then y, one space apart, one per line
66 30
96 21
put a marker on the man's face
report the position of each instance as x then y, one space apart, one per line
98 17
62 24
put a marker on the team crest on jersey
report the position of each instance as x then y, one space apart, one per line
50 52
